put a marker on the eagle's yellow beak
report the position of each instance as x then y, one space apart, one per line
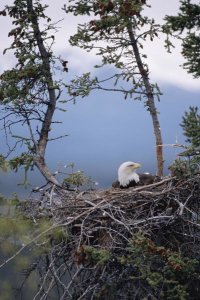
135 166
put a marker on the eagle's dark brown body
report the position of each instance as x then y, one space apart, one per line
145 179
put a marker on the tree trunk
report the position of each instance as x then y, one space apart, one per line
150 103
42 167
46 123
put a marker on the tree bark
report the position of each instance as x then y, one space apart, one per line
150 103
44 132
44 170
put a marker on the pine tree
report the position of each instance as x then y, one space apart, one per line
186 25
28 91
188 162
117 31
191 126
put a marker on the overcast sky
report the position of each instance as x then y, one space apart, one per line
104 130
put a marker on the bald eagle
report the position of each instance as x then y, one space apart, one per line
127 176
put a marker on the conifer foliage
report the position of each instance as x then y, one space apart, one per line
186 25
191 126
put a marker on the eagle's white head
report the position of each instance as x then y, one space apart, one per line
126 173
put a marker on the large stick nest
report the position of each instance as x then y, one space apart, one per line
166 212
